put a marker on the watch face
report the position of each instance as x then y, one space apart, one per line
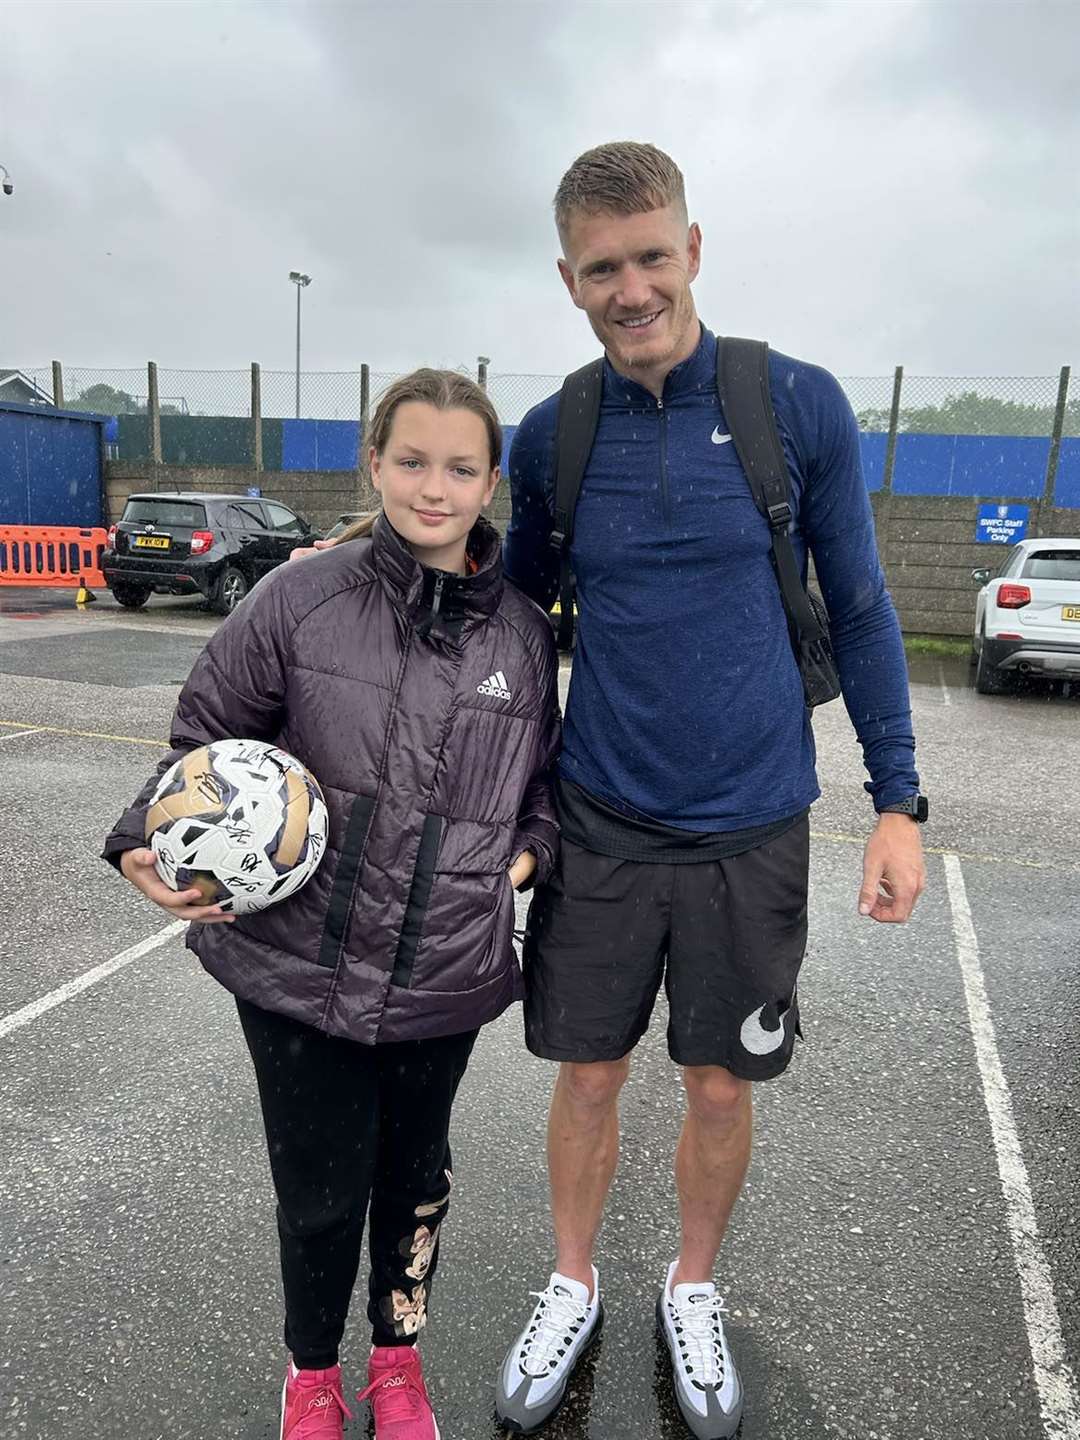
922 808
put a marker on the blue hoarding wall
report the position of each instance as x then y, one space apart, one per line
973 465
50 467
320 444
962 465
1068 475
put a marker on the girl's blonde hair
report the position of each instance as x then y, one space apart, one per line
446 390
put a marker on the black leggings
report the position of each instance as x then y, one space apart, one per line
346 1123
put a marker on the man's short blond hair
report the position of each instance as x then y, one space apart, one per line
621 178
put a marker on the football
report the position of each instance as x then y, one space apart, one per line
241 821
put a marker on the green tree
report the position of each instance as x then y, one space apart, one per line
969 413
107 400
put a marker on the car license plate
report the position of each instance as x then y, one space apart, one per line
156 542
1070 612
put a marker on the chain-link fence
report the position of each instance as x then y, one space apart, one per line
204 416
971 405
941 405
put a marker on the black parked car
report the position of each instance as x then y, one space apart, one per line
186 544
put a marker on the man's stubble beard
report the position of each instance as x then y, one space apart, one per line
684 319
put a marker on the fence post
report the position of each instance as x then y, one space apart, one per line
482 363
365 416
1047 503
885 504
58 384
153 411
894 425
256 416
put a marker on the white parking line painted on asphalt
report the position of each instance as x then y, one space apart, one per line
1058 1395
18 1018
200 634
33 730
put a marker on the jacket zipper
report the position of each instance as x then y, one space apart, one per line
665 499
436 599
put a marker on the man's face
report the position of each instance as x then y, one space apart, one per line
631 274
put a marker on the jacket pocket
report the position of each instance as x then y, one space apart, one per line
352 851
416 909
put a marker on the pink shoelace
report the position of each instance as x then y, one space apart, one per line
313 1424
396 1395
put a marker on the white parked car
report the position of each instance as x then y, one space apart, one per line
1027 619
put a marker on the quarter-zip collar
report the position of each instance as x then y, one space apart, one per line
435 600
690 377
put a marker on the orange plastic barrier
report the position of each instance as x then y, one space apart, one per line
51 555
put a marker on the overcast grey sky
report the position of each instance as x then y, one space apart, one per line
878 183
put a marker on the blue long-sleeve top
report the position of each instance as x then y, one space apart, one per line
685 701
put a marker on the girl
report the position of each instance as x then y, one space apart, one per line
421 693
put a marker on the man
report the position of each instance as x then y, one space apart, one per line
687 770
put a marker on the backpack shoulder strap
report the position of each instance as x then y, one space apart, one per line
742 378
579 415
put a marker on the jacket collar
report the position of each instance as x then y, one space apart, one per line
460 601
693 375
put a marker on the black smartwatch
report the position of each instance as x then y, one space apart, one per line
917 806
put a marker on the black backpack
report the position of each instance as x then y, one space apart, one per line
742 378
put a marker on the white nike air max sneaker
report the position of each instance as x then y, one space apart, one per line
534 1376
707 1385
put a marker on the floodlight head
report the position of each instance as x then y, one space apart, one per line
483 359
299 278
9 188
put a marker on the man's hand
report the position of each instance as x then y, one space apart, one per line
138 866
523 869
302 550
894 875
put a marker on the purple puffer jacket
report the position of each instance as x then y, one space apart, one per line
374 672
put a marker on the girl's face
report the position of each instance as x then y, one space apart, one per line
435 477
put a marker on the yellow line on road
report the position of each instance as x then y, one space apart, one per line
85 734
839 838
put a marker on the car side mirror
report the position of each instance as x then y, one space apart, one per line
981 576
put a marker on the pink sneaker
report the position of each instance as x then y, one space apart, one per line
398 1395
312 1405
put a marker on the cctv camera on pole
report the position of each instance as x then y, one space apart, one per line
9 188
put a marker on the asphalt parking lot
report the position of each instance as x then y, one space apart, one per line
904 1265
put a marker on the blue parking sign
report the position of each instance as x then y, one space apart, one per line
1001 524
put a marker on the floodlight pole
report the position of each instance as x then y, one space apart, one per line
299 279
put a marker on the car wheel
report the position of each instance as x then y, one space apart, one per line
989 680
230 589
132 597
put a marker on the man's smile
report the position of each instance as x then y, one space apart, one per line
640 322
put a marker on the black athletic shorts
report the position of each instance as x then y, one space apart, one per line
726 936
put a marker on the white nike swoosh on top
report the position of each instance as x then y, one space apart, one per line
718 439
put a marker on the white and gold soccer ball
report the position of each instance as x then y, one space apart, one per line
241 821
